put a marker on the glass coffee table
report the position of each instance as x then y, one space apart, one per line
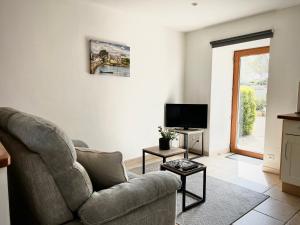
183 175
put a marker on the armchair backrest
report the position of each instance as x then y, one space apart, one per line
44 161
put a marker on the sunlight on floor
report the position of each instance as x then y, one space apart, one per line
241 170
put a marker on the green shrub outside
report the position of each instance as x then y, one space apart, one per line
248 110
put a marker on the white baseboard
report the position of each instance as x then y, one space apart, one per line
271 170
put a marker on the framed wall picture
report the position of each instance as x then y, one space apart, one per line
109 58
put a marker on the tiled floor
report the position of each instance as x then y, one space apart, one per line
280 208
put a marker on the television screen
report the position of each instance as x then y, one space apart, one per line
186 115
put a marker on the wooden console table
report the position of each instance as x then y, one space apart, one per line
4 157
164 154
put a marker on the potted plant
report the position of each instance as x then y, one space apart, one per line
167 136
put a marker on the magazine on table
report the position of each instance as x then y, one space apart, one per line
183 164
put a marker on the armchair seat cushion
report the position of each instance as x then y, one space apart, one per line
119 200
132 175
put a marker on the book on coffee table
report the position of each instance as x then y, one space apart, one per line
183 164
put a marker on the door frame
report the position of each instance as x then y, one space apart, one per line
235 99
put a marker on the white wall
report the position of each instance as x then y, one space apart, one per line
284 68
221 94
44 70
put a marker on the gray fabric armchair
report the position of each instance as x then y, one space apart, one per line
48 186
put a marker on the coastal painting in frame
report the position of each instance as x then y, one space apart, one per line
109 58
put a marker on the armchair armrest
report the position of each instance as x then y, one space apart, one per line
119 200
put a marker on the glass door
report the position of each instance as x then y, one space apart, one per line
249 101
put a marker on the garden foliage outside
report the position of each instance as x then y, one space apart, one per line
248 110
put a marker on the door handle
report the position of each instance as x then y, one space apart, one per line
285 150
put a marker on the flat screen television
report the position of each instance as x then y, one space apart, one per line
186 115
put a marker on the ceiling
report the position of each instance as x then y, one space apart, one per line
181 15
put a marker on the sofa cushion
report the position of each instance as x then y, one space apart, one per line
132 175
105 169
57 152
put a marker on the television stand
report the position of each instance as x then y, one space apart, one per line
187 129
186 135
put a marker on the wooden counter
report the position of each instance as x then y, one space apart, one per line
291 116
4 157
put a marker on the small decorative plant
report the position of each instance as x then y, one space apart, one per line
166 136
167 133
